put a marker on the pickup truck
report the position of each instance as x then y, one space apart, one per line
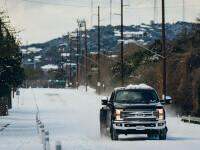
135 109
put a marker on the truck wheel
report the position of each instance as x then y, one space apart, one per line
114 135
103 131
163 134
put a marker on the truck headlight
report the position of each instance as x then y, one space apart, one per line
161 114
117 114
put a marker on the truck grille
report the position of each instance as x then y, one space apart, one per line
145 125
139 115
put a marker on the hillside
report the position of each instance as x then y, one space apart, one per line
49 52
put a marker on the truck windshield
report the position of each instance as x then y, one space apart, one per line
136 96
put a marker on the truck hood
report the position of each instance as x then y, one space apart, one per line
138 106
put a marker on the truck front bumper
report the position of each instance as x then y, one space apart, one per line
153 127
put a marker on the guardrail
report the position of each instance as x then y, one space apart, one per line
43 134
189 119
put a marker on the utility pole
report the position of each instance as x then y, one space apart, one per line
86 56
110 12
155 12
70 56
66 66
183 10
91 13
77 53
62 67
122 46
163 50
99 77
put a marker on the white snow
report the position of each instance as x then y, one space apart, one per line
135 86
145 26
63 44
134 33
29 60
65 54
117 33
49 67
68 64
72 116
93 53
129 33
31 50
128 41
113 56
140 86
38 57
140 40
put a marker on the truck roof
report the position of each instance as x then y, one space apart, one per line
134 86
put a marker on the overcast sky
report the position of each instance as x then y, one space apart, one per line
42 22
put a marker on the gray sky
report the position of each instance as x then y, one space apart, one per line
43 22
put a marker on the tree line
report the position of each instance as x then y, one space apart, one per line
11 70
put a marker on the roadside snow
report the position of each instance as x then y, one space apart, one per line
21 133
72 116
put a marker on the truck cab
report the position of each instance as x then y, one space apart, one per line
135 109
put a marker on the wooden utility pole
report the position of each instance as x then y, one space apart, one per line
91 13
86 56
62 67
70 57
163 50
122 46
77 53
99 77
67 75
110 12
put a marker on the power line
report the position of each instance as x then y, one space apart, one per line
110 12
183 10
111 58
138 4
6 6
155 12
148 49
91 13
169 7
55 4
60 4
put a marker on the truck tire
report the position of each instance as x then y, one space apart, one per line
163 134
114 135
103 131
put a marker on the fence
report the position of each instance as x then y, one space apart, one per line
189 119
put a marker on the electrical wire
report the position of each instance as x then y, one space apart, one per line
6 6
111 58
147 49
59 4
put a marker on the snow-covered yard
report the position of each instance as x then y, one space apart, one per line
72 116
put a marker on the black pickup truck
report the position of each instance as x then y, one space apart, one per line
135 109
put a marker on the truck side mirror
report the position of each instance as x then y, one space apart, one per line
167 101
104 101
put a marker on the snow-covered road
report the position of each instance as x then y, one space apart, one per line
72 117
